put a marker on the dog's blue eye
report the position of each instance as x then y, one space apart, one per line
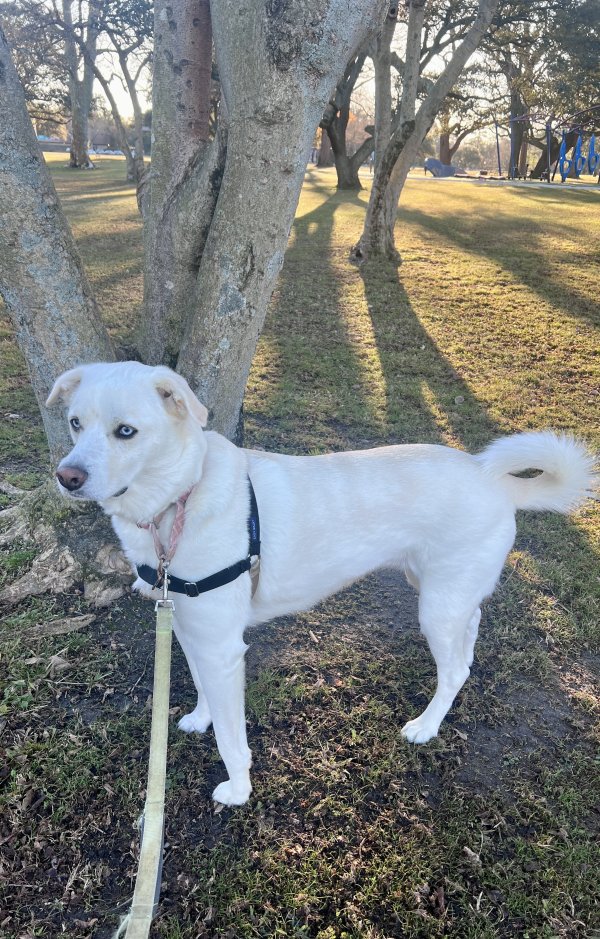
124 431
74 422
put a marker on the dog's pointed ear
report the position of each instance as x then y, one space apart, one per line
64 386
178 398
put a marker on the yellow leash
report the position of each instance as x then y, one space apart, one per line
147 884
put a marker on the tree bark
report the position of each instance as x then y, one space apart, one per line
276 55
522 164
326 157
347 167
378 233
383 83
182 185
444 148
42 281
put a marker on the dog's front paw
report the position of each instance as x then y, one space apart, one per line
420 730
197 721
230 793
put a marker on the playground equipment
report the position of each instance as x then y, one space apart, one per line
578 162
572 129
437 168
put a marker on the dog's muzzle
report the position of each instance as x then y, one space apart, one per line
71 478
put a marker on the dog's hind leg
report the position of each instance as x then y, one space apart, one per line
470 637
445 624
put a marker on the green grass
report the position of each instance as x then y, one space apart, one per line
491 831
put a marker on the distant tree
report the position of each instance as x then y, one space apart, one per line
335 122
411 125
39 58
462 114
125 28
542 62
77 33
103 41
471 157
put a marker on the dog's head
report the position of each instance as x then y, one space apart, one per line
133 426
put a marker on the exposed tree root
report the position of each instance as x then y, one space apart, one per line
75 549
18 530
9 490
361 252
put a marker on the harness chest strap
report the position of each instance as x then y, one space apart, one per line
194 588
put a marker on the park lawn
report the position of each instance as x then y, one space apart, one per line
490 326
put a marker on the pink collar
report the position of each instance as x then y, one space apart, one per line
165 555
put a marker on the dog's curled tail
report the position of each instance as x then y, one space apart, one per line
568 471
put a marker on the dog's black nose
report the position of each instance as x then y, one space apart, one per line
71 477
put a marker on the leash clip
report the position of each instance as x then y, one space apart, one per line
164 600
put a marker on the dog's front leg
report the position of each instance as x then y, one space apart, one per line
198 720
215 652
222 677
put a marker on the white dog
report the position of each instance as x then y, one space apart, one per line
447 518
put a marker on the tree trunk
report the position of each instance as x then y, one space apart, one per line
517 110
346 168
347 173
326 157
444 151
181 188
79 157
378 233
42 281
522 164
381 212
57 326
383 83
275 56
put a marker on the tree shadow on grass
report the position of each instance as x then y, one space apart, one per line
353 373
427 399
310 374
513 248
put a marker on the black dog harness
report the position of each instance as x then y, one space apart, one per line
226 576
